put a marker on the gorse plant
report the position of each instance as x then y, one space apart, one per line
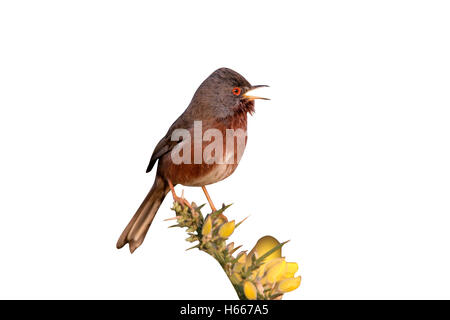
261 274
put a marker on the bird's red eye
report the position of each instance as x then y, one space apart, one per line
236 91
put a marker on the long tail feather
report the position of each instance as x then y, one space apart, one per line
138 226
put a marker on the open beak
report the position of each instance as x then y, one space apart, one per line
249 97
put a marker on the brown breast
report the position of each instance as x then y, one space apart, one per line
215 164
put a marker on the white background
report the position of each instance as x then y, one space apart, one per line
349 160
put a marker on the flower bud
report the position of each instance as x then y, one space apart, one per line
207 226
226 229
250 290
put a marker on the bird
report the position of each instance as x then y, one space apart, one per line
221 105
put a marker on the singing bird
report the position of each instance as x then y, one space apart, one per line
221 103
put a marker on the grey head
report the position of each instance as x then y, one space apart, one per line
221 95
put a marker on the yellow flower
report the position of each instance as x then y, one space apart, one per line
207 226
270 264
274 274
250 290
289 284
264 245
291 269
226 229
275 271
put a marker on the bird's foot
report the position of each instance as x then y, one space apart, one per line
211 204
181 200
